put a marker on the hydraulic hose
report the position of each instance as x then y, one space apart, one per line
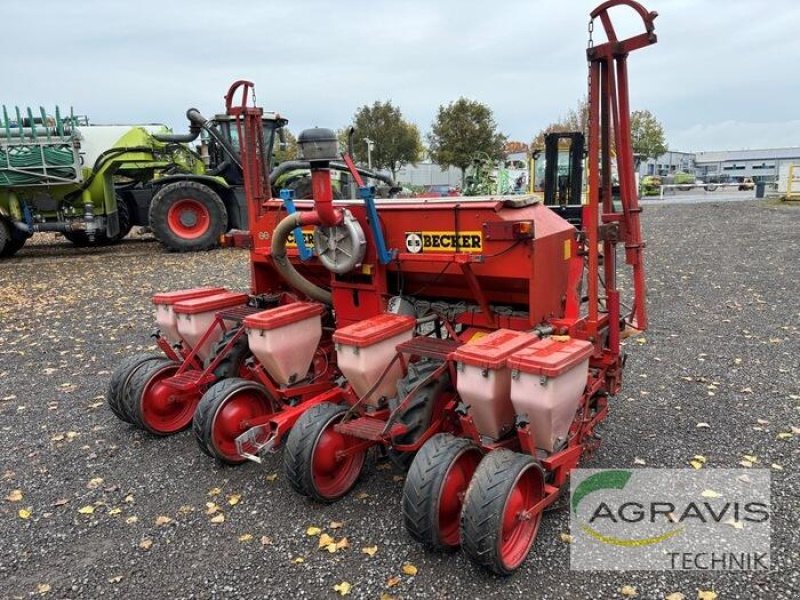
291 165
286 269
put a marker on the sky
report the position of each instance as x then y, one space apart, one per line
722 76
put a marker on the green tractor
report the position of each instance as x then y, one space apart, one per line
62 174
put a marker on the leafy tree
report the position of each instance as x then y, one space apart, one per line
576 119
647 135
396 142
462 129
290 152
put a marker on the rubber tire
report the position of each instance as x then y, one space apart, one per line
484 505
119 381
132 402
211 402
299 451
173 192
231 365
9 244
424 485
81 240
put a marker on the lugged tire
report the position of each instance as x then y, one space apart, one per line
120 378
211 402
10 243
231 365
425 485
131 399
173 193
299 451
485 504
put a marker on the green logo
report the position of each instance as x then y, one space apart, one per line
614 480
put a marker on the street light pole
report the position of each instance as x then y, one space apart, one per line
370 145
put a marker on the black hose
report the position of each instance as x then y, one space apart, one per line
286 269
291 165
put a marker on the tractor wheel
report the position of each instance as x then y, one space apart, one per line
80 239
224 413
435 487
310 460
187 216
417 415
495 531
233 364
117 387
156 407
9 243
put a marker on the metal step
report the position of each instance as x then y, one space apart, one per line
428 347
189 380
369 428
238 313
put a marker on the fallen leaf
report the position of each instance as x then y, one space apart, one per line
14 496
211 508
95 483
628 591
129 499
299 559
703 426
234 499
409 569
762 421
266 540
86 510
325 540
272 477
675 596
369 550
639 461
61 502
186 509
746 463
398 478
72 435
146 544
566 538
245 537
220 518
696 464
116 579
43 588
362 495
385 596
335 524
215 491
57 438
132 520
342 544
343 588
785 436
710 494
393 581
24 513
777 467
750 458
115 511
706 595
313 530
163 520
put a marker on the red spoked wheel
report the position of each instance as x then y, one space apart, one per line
156 406
319 461
435 487
226 411
188 218
497 528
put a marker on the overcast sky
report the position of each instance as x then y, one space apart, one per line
724 74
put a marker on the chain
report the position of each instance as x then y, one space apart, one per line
589 78
591 30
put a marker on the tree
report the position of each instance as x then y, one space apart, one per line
291 150
462 129
647 135
576 119
396 142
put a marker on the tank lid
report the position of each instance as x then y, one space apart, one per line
551 356
210 303
170 298
491 351
287 314
373 330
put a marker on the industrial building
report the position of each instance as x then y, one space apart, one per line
760 165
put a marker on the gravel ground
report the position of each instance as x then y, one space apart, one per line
724 349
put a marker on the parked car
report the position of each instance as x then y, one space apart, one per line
438 191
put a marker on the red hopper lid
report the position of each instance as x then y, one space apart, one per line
170 298
491 351
373 330
551 356
210 303
287 314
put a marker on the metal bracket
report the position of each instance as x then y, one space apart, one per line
367 193
287 196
